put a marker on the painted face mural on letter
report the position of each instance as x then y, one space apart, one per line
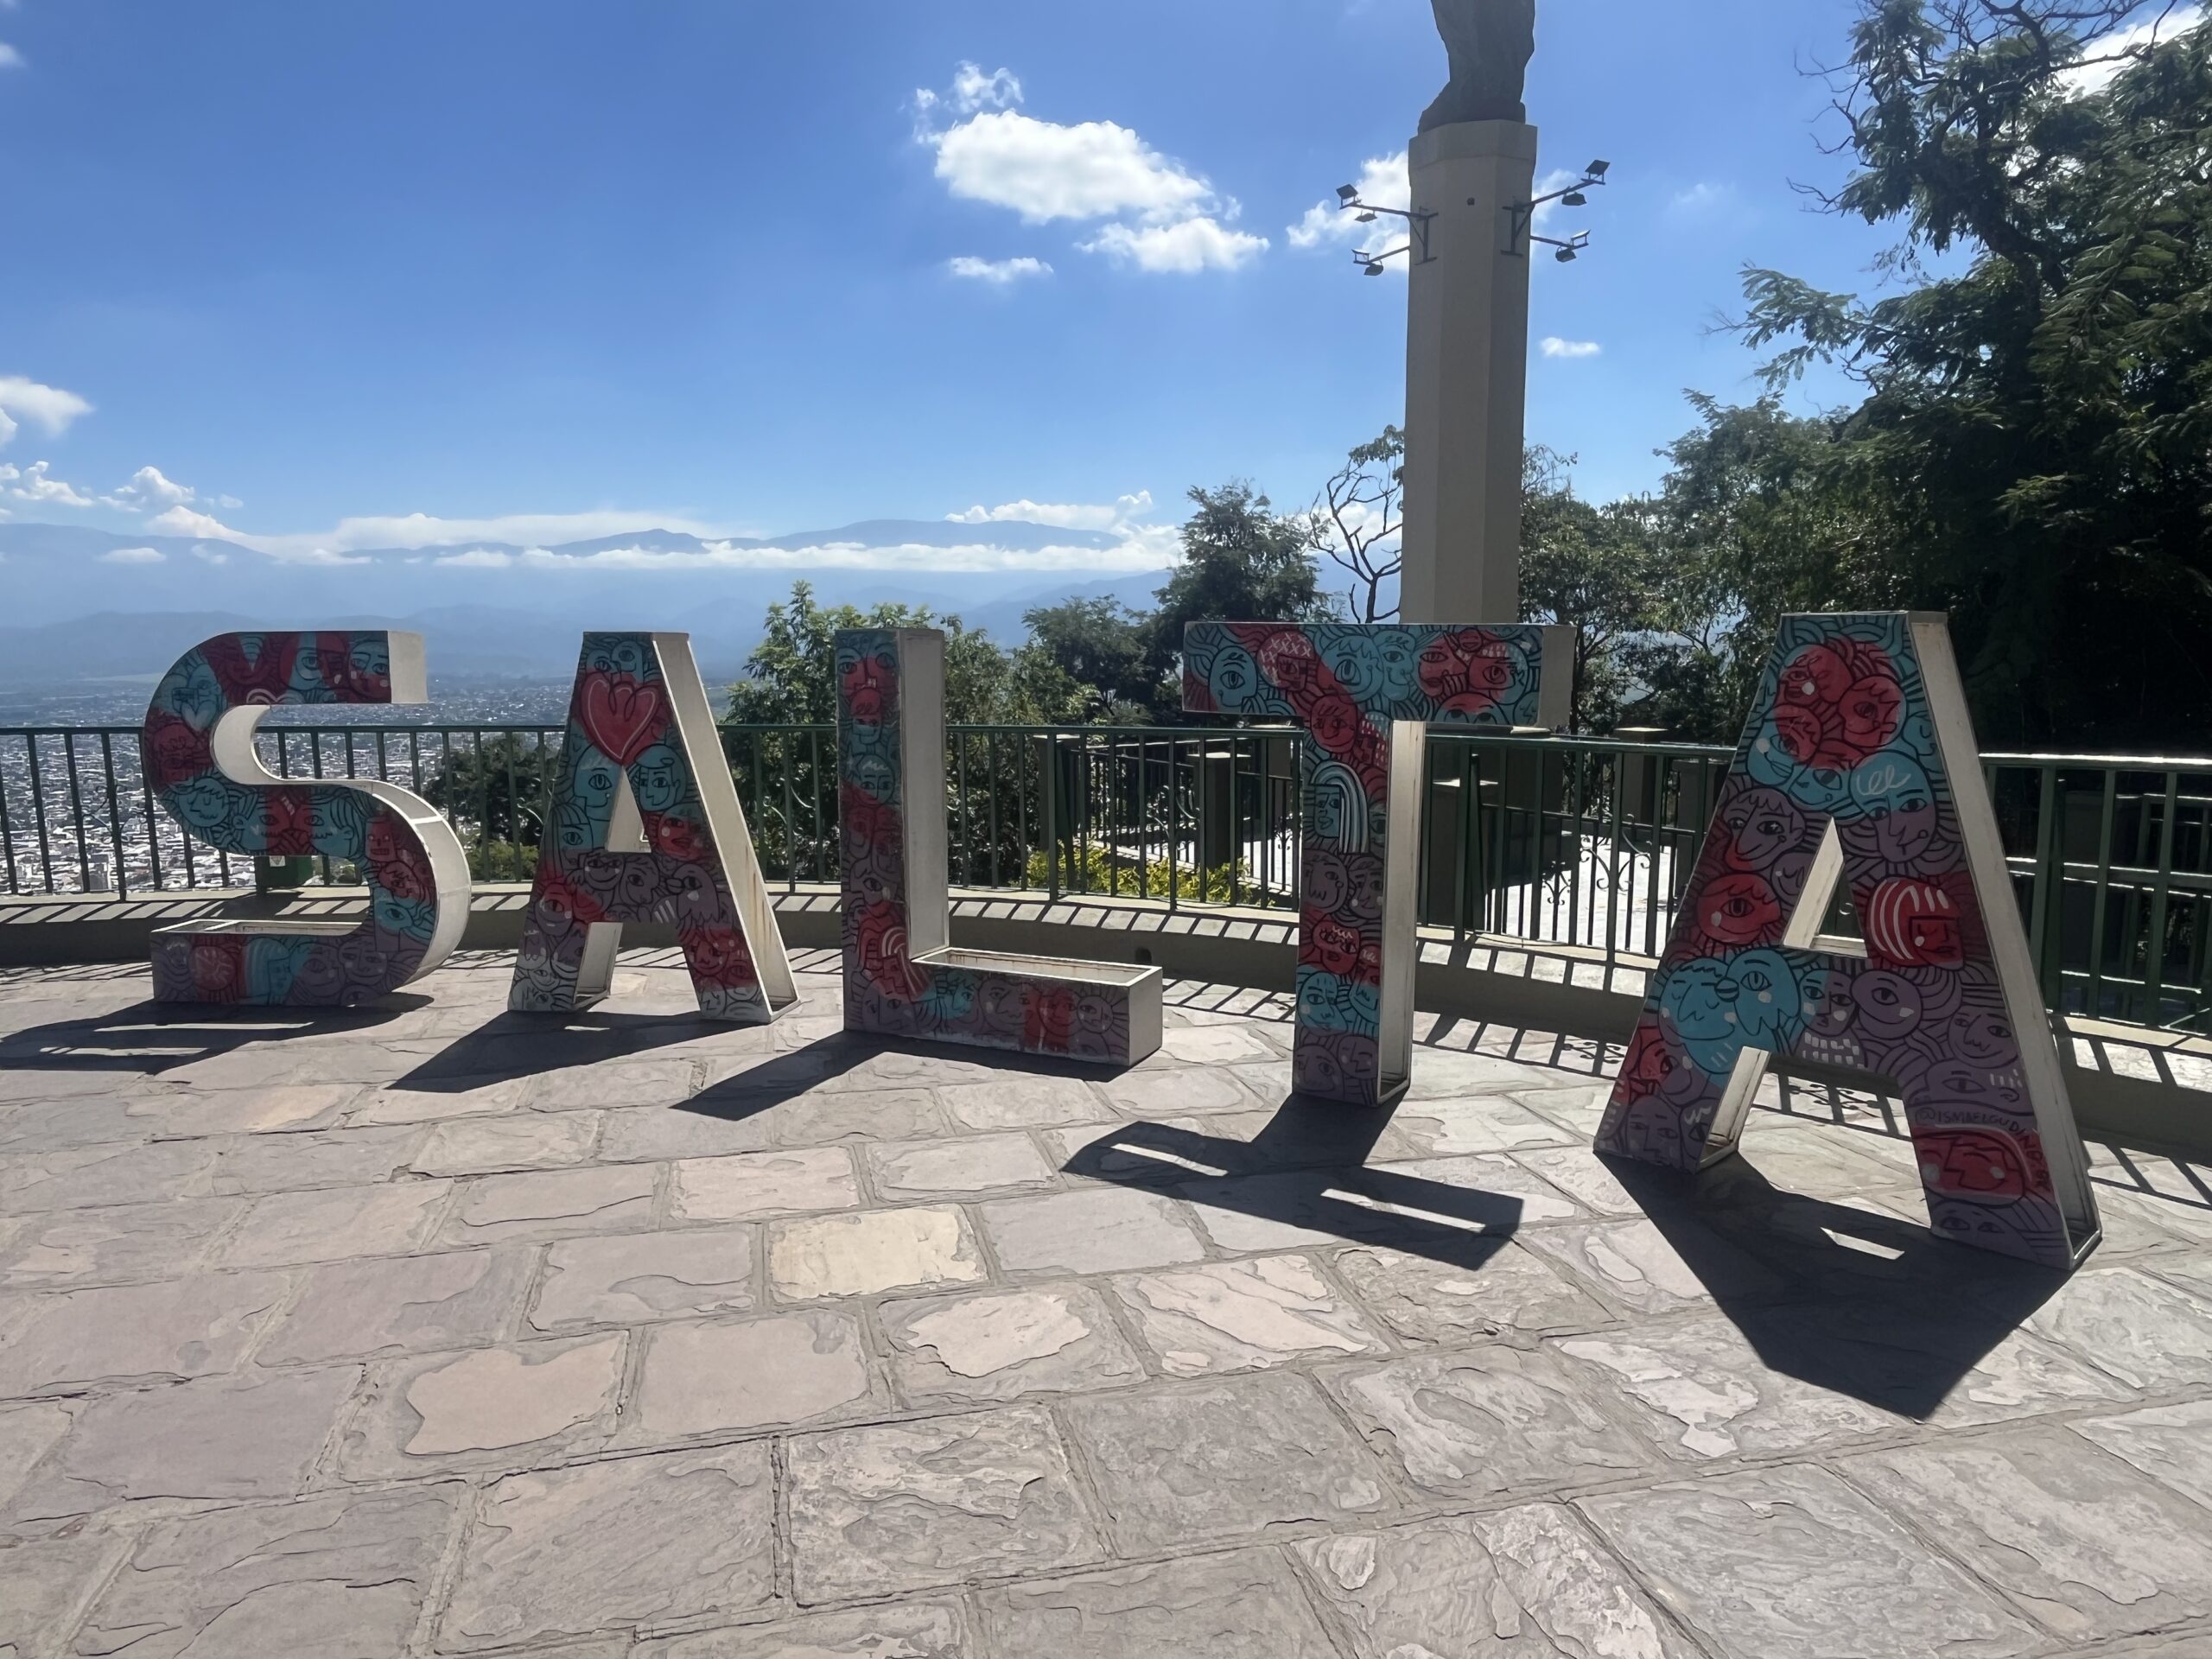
1349 684
1842 739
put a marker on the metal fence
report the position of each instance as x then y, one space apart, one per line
1577 841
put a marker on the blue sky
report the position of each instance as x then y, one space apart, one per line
549 269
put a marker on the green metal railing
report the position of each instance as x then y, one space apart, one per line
1580 843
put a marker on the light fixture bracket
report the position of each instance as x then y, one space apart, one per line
1523 234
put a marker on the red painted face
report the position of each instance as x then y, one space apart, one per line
866 689
1974 1163
1838 704
1739 909
1913 924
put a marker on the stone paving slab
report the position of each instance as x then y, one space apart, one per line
2077 1539
255 1435
1514 1581
1003 1345
629 1279
336 1574
915 1505
1493 1422
1223 1460
488 1409
1243 1606
630 1541
438 1332
1792 1561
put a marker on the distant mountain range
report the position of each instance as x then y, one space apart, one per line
82 605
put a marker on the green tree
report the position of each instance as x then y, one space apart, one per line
1243 560
1102 646
495 789
1595 569
790 678
2032 451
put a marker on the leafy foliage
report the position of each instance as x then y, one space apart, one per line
792 675
1240 559
2033 450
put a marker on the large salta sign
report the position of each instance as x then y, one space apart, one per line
1366 694
903 978
1859 764
645 826
197 750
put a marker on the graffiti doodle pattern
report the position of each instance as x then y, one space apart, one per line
1841 731
623 727
1346 683
397 841
891 989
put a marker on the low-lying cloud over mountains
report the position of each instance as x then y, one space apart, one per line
84 603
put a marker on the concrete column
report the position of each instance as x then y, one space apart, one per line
1466 375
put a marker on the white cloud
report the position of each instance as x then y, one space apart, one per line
1554 346
1000 273
8 427
1166 216
10 58
148 488
1084 516
2111 55
50 407
419 529
1384 181
134 556
466 543
1187 245
1706 196
972 90
34 483
1045 171
1138 552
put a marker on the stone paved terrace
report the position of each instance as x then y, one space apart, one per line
429 1329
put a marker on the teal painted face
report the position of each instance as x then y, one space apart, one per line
1820 788
1769 1002
660 780
1894 806
1698 1001
191 691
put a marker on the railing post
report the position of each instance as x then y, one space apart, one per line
1048 774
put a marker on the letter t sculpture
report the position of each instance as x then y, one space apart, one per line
1366 695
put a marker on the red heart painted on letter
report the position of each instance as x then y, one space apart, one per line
622 717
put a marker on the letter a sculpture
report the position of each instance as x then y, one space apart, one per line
198 753
645 826
902 978
1858 761
1366 694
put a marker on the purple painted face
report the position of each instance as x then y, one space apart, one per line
1326 881
1956 1082
1832 1016
1366 874
1889 1005
1762 826
1985 1039
1787 877
1653 1133
1833 1008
